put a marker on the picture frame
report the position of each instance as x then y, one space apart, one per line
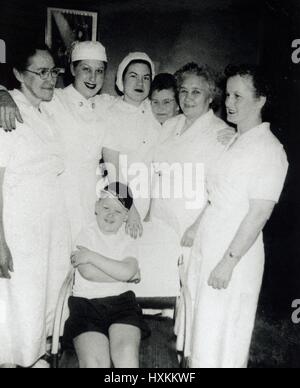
65 26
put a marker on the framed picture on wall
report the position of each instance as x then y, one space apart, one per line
65 26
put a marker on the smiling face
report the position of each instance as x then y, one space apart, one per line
33 87
89 77
110 215
194 96
137 83
242 105
164 105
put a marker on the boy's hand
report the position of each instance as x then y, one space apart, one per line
137 278
80 257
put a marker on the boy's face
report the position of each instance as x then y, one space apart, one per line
110 215
164 105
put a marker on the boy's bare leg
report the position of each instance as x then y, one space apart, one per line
125 343
92 350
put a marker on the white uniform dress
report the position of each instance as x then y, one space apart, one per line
81 126
193 152
37 233
254 167
198 146
133 132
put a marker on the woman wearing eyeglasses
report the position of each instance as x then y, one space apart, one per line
35 238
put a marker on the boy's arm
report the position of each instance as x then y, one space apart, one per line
122 271
94 274
9 112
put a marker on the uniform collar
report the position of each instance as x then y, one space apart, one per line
21 100
125 107
201 123
263 127
204 119
77 99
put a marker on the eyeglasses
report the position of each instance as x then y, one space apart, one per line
44 73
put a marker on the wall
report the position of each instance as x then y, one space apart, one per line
172 32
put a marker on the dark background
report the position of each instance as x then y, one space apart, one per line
217 32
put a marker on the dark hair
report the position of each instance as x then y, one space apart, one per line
122 192
76 63
24 52
260 80
163 81
207 73
135 62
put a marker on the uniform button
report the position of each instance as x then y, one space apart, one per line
81 104
144 142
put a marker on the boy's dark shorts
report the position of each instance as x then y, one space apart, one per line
98 315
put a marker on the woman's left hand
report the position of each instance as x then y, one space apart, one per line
80 257
222 274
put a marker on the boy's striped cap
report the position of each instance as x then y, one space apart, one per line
120 192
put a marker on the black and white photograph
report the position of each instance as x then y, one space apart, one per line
149 186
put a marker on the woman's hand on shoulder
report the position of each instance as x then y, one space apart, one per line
9 112
226 135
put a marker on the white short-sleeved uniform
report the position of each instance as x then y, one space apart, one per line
254 167
81 126
193 152
133 132
37 232
116 247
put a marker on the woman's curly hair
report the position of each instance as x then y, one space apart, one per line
211 77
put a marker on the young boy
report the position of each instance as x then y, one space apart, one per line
163 96
106 323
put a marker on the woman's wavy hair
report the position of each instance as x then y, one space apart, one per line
208 74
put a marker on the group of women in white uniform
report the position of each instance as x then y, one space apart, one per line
49 189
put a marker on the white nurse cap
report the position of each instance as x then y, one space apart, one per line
137 56
88 50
